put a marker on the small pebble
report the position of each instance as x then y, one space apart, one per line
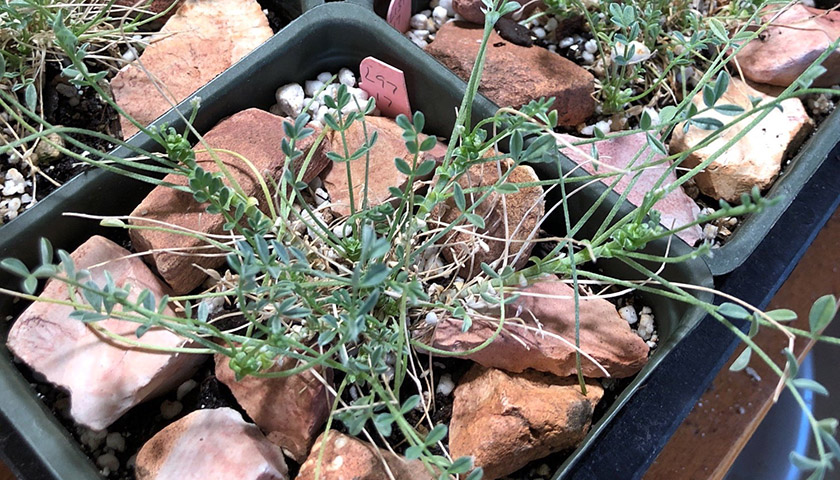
186 387
170 409
566 42
321 196
346 77
93 438
539 32
447 4
628 313
440 14
311 87
445 385
324 77
645 329
551 25
587 57
590 46
342 230
290 99
109 462
67 90
710 231
115 441
418 21
431 318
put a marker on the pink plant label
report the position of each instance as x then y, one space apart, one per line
399 14
387 85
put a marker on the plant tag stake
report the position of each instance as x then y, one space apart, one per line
399 14
387 85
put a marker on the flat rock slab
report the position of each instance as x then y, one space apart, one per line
515 75
756 159
677 208
507 421
104 379
513 216
291 410
548 346
199 42
472 10
348 458
790 45
214 444
255 134
380 169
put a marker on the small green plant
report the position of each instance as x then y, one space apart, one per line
358 302
30 48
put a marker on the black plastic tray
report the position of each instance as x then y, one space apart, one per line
753 228
326 38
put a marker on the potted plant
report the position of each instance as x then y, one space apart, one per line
361 303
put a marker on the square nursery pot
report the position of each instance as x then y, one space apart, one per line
753 228
326 38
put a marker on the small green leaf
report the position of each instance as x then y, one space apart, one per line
718 29
721 85
461 465
375 274
15 266
413 452
709 96
436 434
656 144
428 144
31 97
822 312
476 474
729 110
402 166
30 284
507 188
475 219
733 311
112 222
742 361
793 365
458 195
782 315
707 123
803 463
808 384
425 168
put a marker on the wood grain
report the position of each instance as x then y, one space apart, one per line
714 433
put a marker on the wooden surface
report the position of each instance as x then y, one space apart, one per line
709 440
711 437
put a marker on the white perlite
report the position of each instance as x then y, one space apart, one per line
645 326
445 385
628 313
290 99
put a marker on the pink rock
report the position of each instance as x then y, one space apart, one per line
256 135
677 208
603 334
291 410
213 444
347 458
753 161
506 421
104 378
200 41
795 39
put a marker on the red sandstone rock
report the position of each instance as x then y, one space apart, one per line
291 410
515 75
506 421
200 41
252 133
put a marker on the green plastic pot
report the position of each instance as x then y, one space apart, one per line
326 38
